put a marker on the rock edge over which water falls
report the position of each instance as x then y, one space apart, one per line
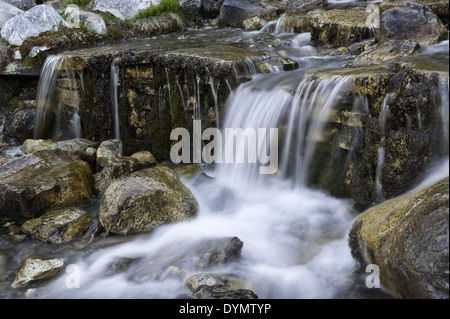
407 238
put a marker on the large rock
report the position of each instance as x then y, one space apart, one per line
210 286
144 200
7 12
339 27
411 20
34 269
34 183
386 51
123 9
21 4
304 5
59 226
38 19
20 123
407 238
191 8
76 17
439 7
107 150
211 8
235 12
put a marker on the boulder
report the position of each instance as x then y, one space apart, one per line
81 147
210 286
108 149
407 238
58 226
235 12
7 12
76 17
411 20
439 7
304 5
20 123
34 183
145 158
38 19
123 9
144 200
338 27
21 4
115 168
211 8
191 8
34 269
386 51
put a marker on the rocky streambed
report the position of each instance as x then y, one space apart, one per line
92 206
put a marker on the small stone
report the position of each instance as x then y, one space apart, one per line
34 269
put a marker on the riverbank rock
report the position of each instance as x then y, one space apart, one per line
7 12
58 226
210 286
411 20
386 51
34 183
144 200
117 167
21 4
338 27
34 269
76 17
123 9
38 19
235 12
407 238
304 5
107 150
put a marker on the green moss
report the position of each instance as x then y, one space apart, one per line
163 7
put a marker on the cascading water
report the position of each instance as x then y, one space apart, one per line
115 71
45 99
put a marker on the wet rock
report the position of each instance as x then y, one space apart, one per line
76 17
188 172
253 24
117 167
34 183
107 150
81 147
20 124
184 258
386 51
123 9
439 7
34 269
144 200
407 238
191 8
210 286
411 20
337 28
38 19
235 12
145 158
211 8
58 226
304 5
7 12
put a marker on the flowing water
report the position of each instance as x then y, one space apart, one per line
295 238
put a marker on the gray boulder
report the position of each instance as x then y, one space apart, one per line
211 8
75 17
407 238
108 149
38 19
123 9
21 4
411 20
7 12
191 8
145 200
235 12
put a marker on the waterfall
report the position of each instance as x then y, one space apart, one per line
443 93
46 98
299 117
115 71
384 113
